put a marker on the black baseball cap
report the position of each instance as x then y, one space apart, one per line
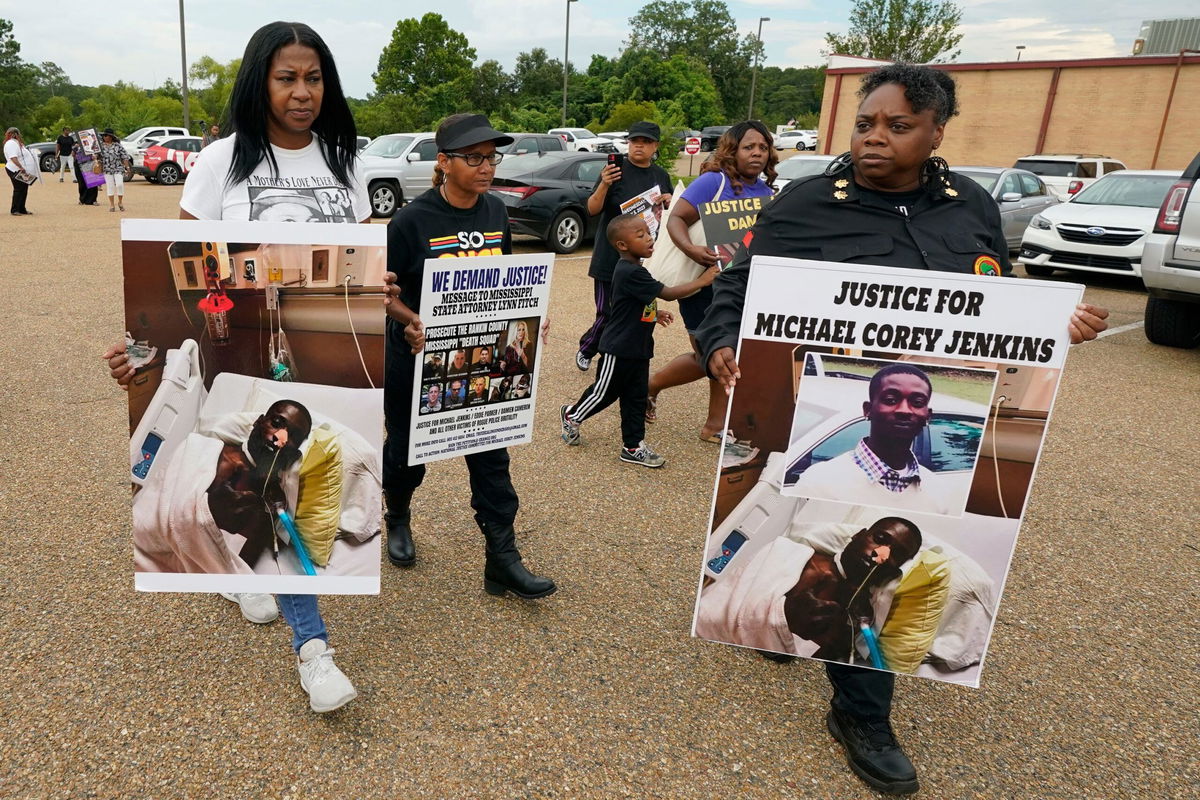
647 130
471 129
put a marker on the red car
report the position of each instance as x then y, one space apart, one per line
168 160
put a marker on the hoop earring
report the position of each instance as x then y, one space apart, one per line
839 164
934 167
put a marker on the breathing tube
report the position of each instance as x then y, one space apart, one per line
290 526
863 627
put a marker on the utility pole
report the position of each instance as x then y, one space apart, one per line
187 113
754 73
566 63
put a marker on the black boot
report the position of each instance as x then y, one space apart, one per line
401 551
503 570
873 752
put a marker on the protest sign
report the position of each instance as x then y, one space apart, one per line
726 222
648 205
886 429
255 446
479 368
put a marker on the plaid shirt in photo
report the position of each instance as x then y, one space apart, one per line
881 473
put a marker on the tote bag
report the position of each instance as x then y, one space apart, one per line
669 264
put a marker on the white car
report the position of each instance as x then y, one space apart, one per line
620 140
583 140
396 168
1068 174
790 169
796 140
140 139
1102 229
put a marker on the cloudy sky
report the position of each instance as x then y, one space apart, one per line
139 42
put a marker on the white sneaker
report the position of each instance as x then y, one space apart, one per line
327 686
259 608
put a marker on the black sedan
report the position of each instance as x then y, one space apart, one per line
547 194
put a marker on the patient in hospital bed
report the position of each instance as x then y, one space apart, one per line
793 599
247 487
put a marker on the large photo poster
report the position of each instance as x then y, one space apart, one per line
483 316
886 430
256 412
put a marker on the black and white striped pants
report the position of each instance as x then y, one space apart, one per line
624 379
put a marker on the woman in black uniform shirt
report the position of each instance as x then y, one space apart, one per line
459 207
888 202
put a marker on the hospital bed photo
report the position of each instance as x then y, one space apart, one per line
334 494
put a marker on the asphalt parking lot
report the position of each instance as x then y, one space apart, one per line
1089 688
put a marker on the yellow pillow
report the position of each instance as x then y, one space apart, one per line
916 612
319 502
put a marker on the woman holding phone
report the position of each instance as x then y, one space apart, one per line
292 128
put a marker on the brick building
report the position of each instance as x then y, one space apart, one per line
1143 110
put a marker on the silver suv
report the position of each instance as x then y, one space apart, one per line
1171 265
396 168
1066 174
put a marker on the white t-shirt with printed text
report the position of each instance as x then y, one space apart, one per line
304 190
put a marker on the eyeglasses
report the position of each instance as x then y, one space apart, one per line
475 159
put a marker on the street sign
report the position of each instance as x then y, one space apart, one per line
692 146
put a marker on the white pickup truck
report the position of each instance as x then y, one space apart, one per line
584 141
1171 265
1066 174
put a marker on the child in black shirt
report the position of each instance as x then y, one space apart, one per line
627 343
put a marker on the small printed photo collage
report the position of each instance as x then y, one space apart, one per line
492 371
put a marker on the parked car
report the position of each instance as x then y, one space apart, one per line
525 143
1102 229
620 140
396 168
796 167
47 155
1068 174
796 140
684 135
710 135
134 141
1020 194
1171 265
168 160
546 196
583 140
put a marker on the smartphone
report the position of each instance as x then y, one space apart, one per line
616 160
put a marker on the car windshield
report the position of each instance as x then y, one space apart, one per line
524 164
793 168
1052 169
582 133
1119 189
388 146
985 179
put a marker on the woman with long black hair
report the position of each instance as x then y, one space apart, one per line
293 135
742 166
891 202
458 208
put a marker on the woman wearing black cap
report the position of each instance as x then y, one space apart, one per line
886 202
458 207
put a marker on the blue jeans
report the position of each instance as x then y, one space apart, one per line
301 613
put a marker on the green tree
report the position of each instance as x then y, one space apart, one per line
17 79
210 83
489 88
645 75
422 53
47 120
538 78
625 114
914 31
125 107
706 31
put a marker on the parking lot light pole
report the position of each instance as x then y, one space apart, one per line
566 64
754 72
187 114
1020 47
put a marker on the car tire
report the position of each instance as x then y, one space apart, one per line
1172 323
385 198
167 174
48 163
1038 270
129 173
566 232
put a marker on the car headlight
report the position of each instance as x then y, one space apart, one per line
1040 222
